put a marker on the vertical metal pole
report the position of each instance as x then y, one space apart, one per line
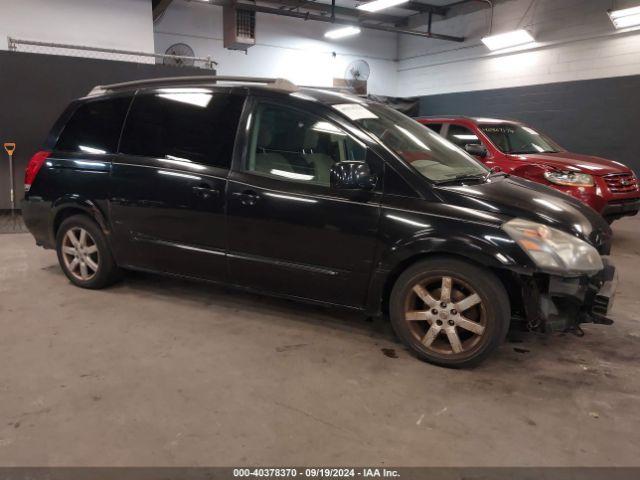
13 195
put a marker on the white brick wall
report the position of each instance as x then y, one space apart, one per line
285 47
575 41
119 24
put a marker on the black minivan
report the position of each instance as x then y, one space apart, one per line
314 195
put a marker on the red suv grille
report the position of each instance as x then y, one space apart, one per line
621 182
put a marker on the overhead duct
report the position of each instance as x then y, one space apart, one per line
239 27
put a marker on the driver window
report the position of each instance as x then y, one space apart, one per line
293 145
462 136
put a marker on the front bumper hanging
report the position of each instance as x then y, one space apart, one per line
554 303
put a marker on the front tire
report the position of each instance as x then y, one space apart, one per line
84 254
449 312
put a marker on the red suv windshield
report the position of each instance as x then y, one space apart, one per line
518 139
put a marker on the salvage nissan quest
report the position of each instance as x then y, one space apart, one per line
319 196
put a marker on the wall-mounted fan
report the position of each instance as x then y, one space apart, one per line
356 76
181 49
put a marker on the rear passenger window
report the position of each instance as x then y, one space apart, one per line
183 124
94 127
436 127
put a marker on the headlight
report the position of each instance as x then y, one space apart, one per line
553 249
571 179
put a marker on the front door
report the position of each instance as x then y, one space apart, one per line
289 232
169 181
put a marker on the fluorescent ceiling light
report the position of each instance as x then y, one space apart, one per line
508 39
627 17
377 5
342 32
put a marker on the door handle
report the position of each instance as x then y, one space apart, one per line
247 197
205 191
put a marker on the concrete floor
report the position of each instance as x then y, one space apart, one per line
156 371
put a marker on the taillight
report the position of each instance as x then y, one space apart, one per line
33 167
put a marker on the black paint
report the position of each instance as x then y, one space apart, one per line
36 88
255 229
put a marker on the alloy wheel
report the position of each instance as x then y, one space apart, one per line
80 254
446 315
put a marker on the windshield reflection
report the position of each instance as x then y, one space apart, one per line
431 155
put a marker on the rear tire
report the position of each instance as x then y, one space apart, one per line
84 253
449 312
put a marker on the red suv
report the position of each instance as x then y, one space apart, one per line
609 187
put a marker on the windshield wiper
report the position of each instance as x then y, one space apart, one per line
462 178
498 173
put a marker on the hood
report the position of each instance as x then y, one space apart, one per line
576 162
515 197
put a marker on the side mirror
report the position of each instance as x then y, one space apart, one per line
476 149
352 175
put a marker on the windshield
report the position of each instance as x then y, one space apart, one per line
512 138
426 151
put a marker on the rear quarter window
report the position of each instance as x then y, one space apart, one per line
182 124
94 127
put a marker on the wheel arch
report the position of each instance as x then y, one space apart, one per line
66 207
509 279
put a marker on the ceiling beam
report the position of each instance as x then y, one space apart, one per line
326 8
422 7
360 20
425 8
340 21
159 7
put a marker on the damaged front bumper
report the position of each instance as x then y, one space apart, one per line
555 303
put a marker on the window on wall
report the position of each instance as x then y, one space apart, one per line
293 145
461 136
94 127
183 124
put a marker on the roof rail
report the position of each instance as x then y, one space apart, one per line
278 83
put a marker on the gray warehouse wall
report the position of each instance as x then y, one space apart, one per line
596 117
35 89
